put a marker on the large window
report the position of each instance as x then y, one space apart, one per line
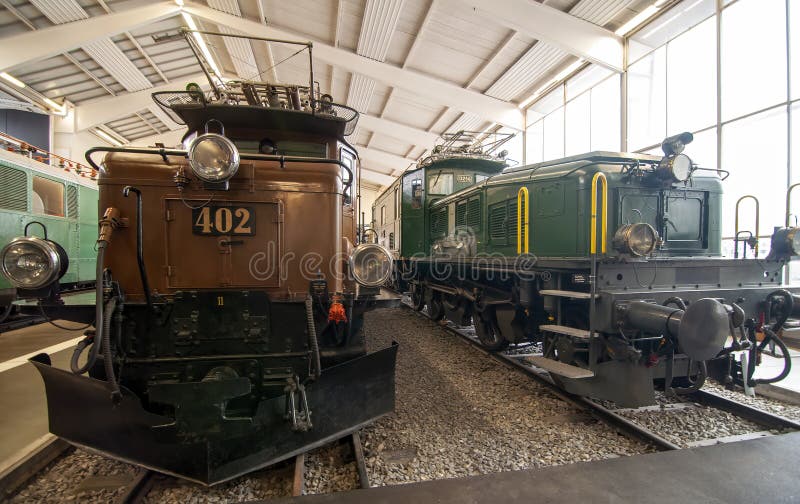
440 183
48 197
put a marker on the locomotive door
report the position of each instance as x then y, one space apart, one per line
222 244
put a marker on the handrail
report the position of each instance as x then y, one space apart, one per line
736 225
789 201
604 214
47 157
522 220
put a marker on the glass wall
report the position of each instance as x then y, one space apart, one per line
673 85
580 115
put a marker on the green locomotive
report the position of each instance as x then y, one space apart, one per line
45 205
612 262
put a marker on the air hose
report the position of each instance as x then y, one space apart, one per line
312 337
99 322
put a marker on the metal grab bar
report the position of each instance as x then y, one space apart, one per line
604 214
789 201
736 225
522 220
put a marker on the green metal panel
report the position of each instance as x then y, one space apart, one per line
76 231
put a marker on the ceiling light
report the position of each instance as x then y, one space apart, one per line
202 43
563 74
61 109
108 138
638 19
13 80
179 3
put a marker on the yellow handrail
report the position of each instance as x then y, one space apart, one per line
604 213
522 219
789 201
736 224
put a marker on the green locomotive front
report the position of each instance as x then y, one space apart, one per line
38 201
613 262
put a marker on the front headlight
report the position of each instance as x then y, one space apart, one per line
785 243
371 264
213 158
31 263
638 239
677 167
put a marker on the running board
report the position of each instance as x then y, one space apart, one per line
559 368
566 294
567 331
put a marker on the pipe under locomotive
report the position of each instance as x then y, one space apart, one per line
230 291
612 262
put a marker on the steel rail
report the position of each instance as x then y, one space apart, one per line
616 421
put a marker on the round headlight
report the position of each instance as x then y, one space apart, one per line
638 239
213 157
677 167
371 264
31 263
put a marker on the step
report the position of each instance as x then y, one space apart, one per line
567 331
566 294
559 368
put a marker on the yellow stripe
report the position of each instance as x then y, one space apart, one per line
522 219
603 214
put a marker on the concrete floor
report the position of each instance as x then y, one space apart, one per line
22 398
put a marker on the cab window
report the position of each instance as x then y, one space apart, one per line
48 197
416 194
440 184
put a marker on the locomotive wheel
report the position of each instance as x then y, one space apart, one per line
5 311
417 297
488 331
436 308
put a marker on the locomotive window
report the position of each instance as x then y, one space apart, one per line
685 218
416 194
440 183
48 197
303 149
383 215
480 178
391 241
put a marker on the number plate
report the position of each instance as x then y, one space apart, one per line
224 220
464 178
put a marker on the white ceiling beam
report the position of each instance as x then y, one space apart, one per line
40 44
492 109
378 178
397 130
104 110
570 33
383 159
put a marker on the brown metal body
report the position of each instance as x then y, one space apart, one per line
301 226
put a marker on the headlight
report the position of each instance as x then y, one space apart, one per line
213 157
638 239
785 243
31 263
371 264
677 167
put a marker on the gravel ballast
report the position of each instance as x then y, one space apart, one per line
460 413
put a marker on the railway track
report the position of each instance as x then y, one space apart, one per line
135 489
624 420
20 321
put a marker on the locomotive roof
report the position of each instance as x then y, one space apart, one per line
192 109
604 161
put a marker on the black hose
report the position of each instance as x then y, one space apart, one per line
98 318
312 337
702 374
108 363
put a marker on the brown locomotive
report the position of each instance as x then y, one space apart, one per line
231 291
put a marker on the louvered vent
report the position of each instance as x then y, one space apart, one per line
474 214
461 213
72 202
439 222
497 223
511 226
14 189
